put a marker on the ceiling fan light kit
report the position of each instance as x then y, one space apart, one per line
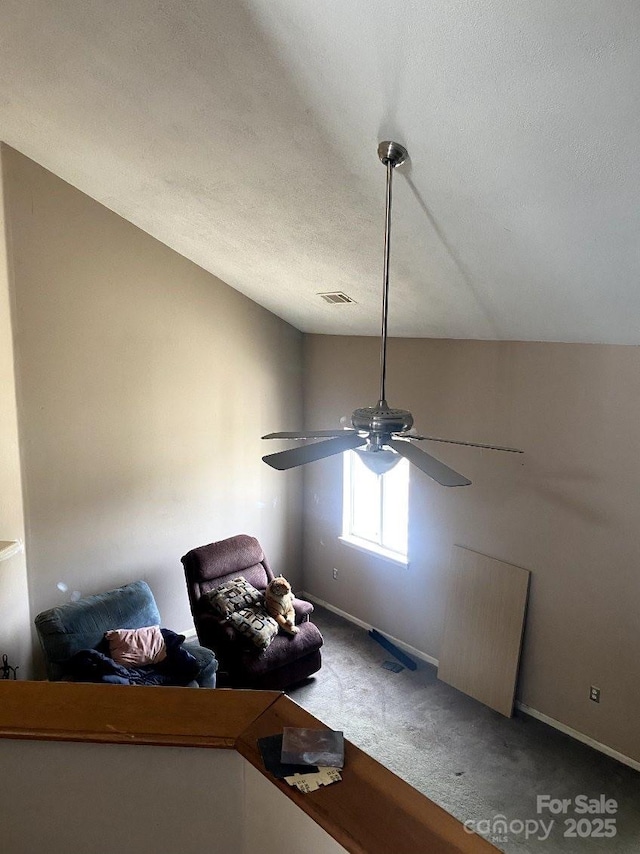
378 460
379 434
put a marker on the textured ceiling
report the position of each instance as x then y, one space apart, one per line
244 135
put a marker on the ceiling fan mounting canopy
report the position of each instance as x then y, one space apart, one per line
393 153
378 433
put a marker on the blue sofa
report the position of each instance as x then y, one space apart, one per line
69 629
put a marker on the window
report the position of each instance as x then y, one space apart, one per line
375 508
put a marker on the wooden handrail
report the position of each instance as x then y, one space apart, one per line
372 811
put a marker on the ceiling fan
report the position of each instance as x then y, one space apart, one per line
379 434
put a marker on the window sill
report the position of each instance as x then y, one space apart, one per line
373 549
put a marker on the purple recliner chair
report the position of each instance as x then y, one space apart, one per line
288 659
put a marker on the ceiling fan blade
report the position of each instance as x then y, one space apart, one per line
310 434
310 453
456 442
441 473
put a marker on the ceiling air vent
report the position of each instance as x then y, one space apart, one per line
335 297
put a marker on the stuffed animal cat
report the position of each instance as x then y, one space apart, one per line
279 604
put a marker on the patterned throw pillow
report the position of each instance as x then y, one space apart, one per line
234 595
255 625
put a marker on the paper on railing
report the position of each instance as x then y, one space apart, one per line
311 782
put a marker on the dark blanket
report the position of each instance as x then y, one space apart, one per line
94 665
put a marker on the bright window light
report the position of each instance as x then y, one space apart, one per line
375 508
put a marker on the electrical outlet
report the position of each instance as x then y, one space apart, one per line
594 694
335 573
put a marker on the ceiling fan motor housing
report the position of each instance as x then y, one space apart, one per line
381 419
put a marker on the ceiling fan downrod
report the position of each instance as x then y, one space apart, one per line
378 434
391 155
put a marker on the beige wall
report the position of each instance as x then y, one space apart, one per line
67 798
15 634
144 386
568 510
146 800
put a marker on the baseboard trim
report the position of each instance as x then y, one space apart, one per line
411 650
579 736
522 707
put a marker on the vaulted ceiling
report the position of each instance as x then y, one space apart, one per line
243 134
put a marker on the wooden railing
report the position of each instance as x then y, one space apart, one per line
372 811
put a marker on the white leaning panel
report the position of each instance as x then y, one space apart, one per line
484 622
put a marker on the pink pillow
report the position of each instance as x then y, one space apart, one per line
136 647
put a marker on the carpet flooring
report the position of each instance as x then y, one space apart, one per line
471 760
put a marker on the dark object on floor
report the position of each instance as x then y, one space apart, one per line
393 649
271 751
81 625
289 658
393 666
